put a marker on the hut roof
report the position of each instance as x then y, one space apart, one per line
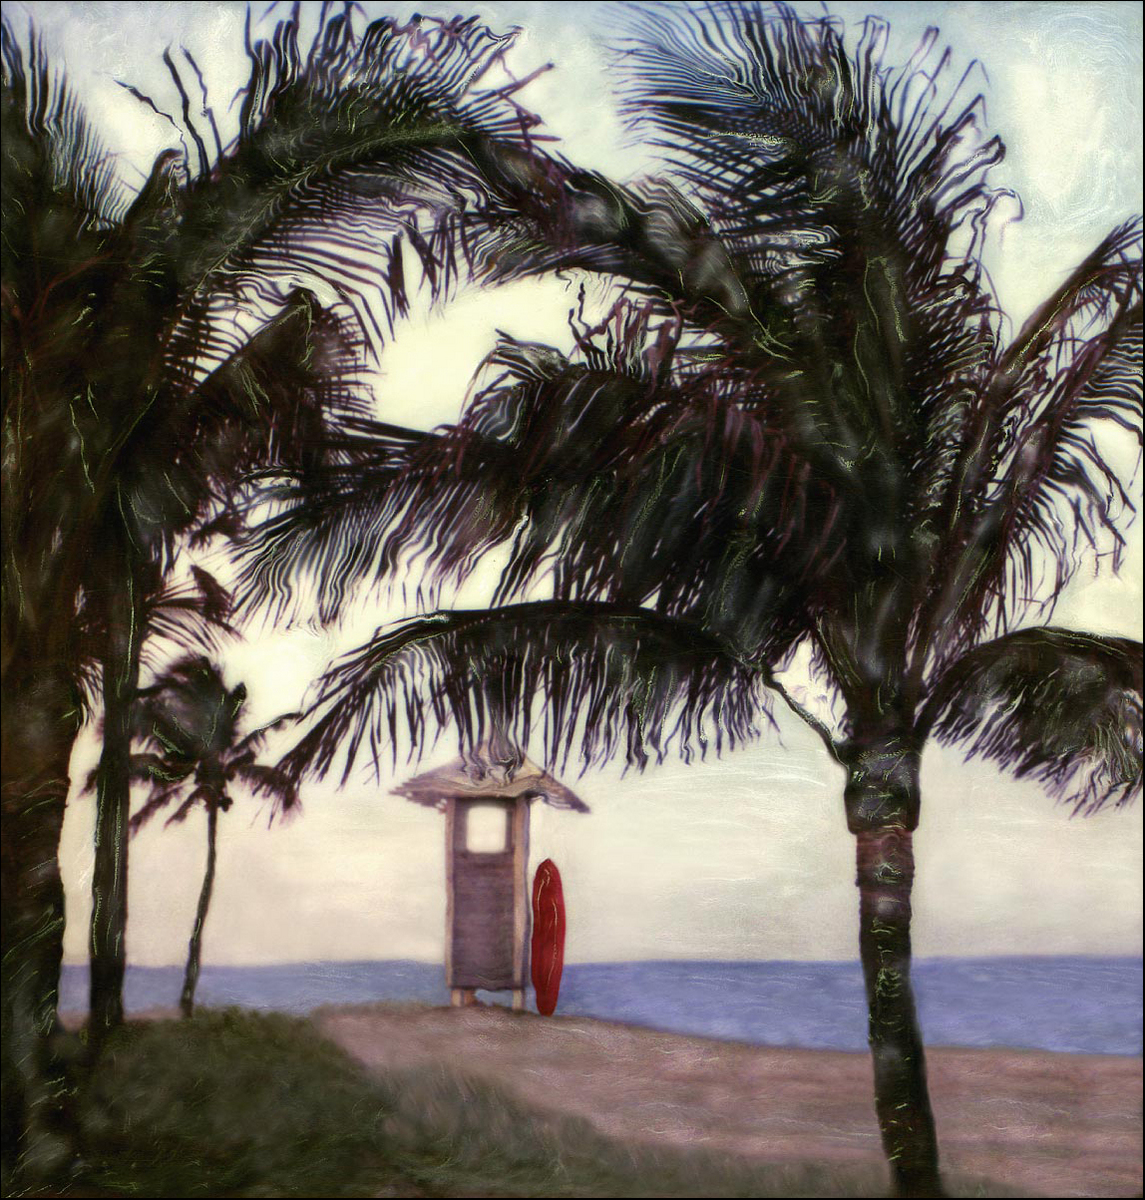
489 771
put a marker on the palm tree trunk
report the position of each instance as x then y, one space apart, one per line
195 946
113 807
882 799
39 725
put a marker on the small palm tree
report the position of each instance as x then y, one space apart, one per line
158 340
804 427
188 727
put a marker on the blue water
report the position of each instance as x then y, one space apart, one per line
1078 1005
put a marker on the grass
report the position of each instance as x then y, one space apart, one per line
237 1103
234 1104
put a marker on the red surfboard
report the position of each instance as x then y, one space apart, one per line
548 948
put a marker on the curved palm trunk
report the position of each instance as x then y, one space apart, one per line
195 946
882 801
39 726
113 807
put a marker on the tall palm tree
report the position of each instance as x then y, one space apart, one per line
803 427
192 751
158 340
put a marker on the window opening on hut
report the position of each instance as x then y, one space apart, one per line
487 829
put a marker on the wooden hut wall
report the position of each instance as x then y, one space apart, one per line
485 924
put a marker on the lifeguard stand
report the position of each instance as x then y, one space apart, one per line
485 796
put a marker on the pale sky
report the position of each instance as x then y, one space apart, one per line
747 857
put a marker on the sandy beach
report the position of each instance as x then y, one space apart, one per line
1045 1124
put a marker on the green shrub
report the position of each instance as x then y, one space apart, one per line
232 1103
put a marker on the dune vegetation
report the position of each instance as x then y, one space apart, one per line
234 1103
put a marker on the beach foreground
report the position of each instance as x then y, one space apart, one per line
1040 1123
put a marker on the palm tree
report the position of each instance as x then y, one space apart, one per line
160 339
188 727
802 428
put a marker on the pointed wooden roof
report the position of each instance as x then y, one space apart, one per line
494 770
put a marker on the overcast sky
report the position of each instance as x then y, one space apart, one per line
744 858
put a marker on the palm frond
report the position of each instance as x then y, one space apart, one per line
1057 706
353 155
265 404
611 681
201 795
852 200
191 615
256 739
1034 490
51 147
189 712
328 525
536 448
275 785
157 800
852 194
615 475
57 253
163 771
648 237
190 720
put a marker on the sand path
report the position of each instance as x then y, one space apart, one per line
1048 1124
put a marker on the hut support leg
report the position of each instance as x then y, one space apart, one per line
518 999
456 997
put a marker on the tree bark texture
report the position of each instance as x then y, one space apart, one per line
40 720
113 810
195 946
882 800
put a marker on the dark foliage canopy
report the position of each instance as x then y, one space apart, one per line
160 340
804 424
187 727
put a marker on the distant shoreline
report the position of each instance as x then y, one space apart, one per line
619 962
1062 1004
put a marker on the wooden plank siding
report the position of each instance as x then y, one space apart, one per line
521 898
450 822
485 921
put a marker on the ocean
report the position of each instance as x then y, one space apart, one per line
1075 1005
